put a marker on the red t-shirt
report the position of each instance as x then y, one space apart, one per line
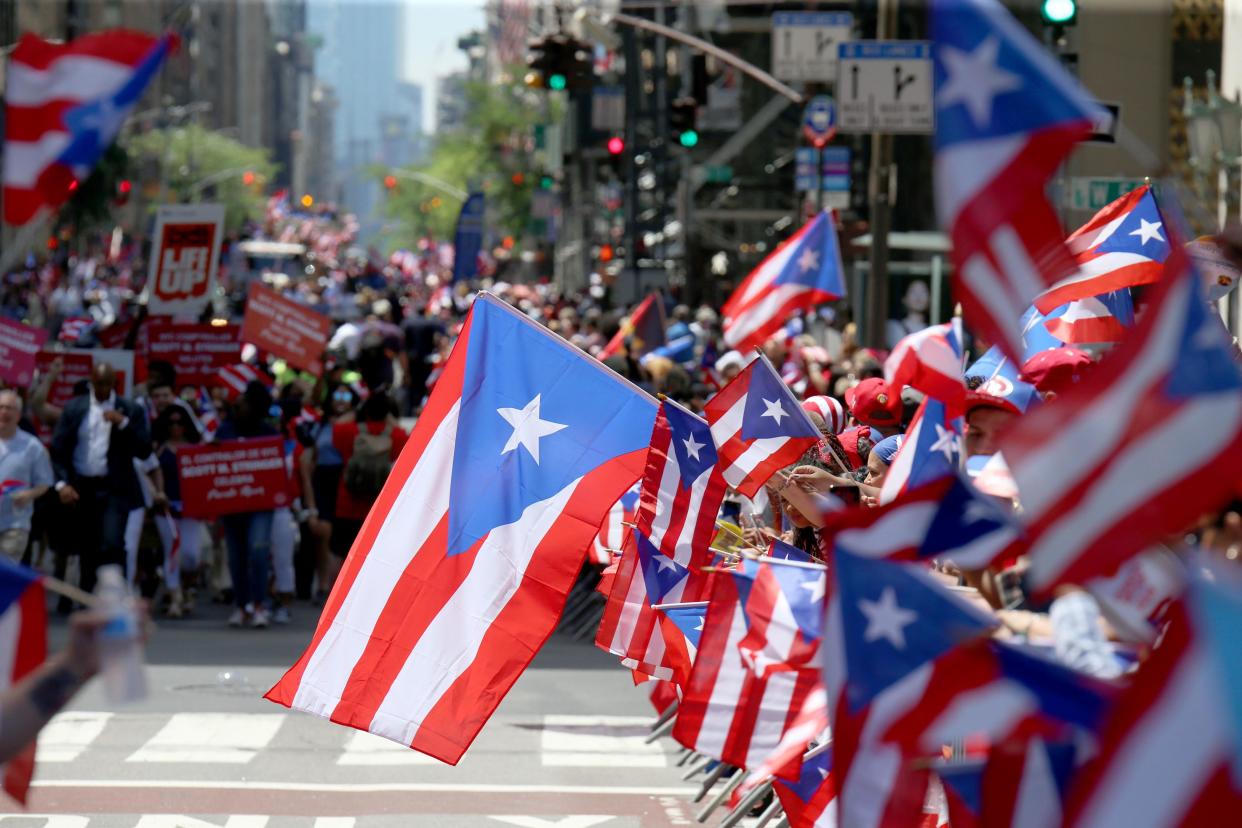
343 436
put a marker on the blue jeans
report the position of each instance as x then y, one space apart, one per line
249 540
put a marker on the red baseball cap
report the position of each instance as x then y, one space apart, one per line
873 403
1056 369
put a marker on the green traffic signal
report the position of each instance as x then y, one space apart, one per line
688 138
1059 12
546 182
557 82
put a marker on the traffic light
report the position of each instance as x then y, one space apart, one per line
248 177
683 113
547 182
390 182
616 145
123 188
559 62
308 201
1059 13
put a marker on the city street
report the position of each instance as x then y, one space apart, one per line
205 749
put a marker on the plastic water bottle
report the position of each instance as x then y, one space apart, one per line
120 650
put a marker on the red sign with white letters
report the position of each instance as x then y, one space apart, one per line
184 258
233 476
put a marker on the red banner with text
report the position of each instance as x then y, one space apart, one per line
233 476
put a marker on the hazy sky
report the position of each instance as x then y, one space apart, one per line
430 46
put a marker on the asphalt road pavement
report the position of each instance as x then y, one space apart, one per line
566 748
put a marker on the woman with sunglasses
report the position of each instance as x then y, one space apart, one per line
181 536
321 467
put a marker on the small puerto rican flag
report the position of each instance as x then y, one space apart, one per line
758 427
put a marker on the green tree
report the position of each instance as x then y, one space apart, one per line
197 164
495 151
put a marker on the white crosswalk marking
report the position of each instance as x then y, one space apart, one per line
68 734
599 741
182 821
210 738
335 822
368 749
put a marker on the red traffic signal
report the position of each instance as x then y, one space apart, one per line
390 181
616 145
248 177
123 188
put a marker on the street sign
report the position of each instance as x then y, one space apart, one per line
718 173
884 86
804 44
819 120
835 167
1104 130
1094 193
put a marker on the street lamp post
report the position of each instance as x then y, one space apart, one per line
431 181
1214 135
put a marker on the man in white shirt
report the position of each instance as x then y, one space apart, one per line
97 439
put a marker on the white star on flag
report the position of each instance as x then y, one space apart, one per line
946 442
1147 231
816 587
775 410
886 619
974 79
699 628
976 511
809 260
528 428
665 562
692 447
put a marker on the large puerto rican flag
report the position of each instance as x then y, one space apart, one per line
463 564
803 272
1007 115
64 104
1122 246
23 644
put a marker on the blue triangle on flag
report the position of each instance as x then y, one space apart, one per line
804 590
692 443
661 573
1205 363
966 780
771 411
962 517
895 618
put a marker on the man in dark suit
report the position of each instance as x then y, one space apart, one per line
97 439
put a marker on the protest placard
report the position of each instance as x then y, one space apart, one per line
285 328
184 258
74 368
18 346
196 352
233 476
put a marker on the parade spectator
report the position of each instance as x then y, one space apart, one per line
321 467
422 335
25 475
181 536
368 447
248 535
97 439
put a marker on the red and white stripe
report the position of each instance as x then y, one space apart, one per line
1105 272
23 647
748 464
235 378
830 408
1106 468
612 533
680 522
1165 756
1086 321
419 646
728 710
927 361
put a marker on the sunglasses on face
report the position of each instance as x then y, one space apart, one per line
342 396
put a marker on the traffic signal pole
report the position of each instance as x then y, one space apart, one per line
633 98
880 190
